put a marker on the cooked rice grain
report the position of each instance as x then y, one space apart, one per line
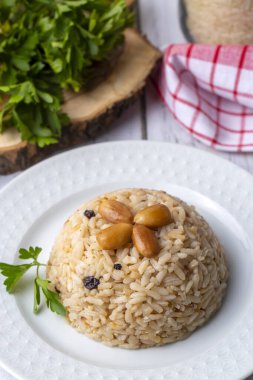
149 301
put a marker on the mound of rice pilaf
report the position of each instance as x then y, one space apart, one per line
141 302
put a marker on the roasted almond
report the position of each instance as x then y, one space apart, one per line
154 216
115 212
145 241
116 236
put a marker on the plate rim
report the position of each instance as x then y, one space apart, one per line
117 142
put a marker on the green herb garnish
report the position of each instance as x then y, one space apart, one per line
13 274
47 46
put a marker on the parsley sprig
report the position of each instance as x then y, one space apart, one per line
13 274
47 46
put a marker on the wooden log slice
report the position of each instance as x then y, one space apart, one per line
91 111
130 3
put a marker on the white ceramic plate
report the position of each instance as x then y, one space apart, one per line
35 205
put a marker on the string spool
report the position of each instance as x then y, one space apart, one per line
220 21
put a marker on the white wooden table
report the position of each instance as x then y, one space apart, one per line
149 119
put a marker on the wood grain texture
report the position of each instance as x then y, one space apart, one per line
130 3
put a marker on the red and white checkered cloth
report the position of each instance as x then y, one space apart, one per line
209 90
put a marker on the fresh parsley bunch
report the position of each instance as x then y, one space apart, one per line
13 274
47 46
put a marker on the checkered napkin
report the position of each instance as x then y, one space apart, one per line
209 90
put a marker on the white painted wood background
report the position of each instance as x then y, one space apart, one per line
149 119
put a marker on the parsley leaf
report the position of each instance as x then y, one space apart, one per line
32 253
36 301
52 299
47 46
13 274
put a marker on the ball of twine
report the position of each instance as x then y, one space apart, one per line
220 21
